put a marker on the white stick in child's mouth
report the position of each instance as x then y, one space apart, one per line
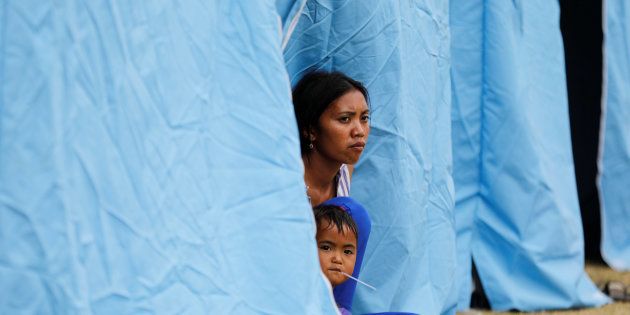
357 280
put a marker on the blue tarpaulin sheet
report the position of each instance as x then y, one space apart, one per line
615 156
517 212
150 162
400 50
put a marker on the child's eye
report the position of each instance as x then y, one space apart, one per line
324 247
348 252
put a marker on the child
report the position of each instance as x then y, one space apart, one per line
337 236
344 293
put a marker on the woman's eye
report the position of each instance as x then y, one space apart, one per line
344 119
365 118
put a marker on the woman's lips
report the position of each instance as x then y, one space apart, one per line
358 145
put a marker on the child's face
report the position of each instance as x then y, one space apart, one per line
337 252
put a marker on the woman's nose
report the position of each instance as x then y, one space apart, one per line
358 131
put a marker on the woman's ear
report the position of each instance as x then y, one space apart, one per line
310 134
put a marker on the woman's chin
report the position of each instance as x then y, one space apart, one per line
351 160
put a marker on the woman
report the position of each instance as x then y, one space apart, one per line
334 123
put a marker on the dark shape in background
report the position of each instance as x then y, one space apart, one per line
581 26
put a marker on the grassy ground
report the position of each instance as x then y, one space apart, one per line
599 274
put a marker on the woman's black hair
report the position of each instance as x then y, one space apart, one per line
312 95
337 216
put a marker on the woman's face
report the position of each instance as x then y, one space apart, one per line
343 128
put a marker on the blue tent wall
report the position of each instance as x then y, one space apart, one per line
467 81
149 162
615 155
516 202
400 50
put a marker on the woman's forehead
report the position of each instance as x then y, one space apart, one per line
353 101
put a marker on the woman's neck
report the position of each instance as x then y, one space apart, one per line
319 176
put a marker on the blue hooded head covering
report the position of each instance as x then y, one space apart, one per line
345 291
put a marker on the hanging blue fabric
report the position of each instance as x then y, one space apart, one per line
517 212
467 50
400 50
150 162
615 156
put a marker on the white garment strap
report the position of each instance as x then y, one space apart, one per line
343 181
